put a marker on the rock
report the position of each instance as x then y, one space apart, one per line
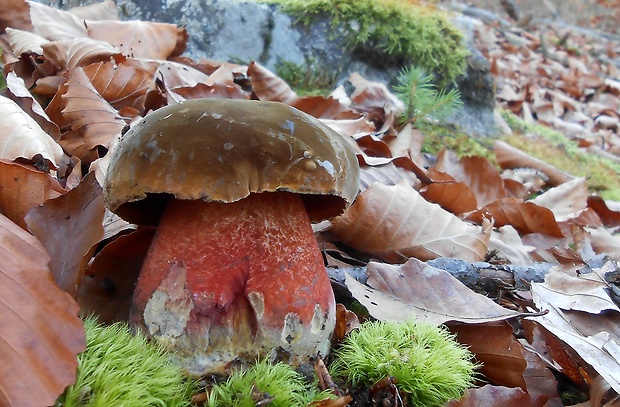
243 31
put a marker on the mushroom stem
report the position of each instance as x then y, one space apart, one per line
241 278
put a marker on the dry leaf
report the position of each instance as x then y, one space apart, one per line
39 327
525 217
25 42
395 223
55 24
69 227
416 290
140 39
67 54
21 136
566 201
489 395
23 188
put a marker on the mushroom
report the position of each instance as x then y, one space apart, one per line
234 271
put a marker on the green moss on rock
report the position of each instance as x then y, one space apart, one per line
412 34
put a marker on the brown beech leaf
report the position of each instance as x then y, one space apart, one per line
25 42
22 96
69 227
489 395
107 286
16 14
525 217
22 137
369 96
140 39
603 241
40 331
455 197
505 361
395 223
86 116
595 340
609 217
68 54
416 290
509 157
23 188
121 85
477 173
268 86
386 174
567 200
55 24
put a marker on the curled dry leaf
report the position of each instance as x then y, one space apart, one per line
416 290
395 223
567 200
525 217
455 197
603 241
268 86
69 227
22 137
67 54
386 174
593 341
23 188
477 173
39 327
85 116
108 283
505 361
609 217
25 42
140 39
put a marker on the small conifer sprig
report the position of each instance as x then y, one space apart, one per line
428 364
422 100
275 383
119 368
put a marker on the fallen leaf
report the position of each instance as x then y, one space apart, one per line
416 290
489 395
69 227
67 54
39 327
21 136
566 201
23 188
395 223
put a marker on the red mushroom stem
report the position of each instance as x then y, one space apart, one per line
228 275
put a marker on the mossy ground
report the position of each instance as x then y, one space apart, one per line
548 145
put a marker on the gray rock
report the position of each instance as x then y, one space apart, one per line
243 31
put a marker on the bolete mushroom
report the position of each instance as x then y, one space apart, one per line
234 270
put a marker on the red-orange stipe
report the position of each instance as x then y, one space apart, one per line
261 244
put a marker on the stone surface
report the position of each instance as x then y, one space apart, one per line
243 31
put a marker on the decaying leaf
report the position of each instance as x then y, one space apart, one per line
416 290
395 223
489 395
21 136
40 331
69 227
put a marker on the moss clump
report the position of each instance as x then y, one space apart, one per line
428 364
554 148
120 369
404 31
276 385
306 79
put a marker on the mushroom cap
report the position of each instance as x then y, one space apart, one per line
224 149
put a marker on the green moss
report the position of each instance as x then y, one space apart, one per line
554 148
306 79
400 30
430 367
437 138
120 369
279 385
